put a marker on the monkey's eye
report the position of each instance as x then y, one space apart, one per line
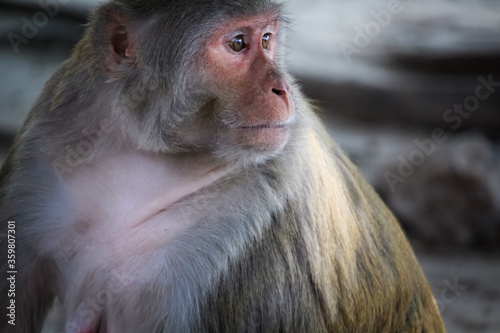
266 40
237 43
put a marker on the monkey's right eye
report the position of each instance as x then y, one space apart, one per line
237 43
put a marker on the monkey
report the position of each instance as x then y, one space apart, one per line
172 177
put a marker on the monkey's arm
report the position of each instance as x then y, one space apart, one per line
389 277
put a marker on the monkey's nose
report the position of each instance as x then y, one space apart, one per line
280 88
279 92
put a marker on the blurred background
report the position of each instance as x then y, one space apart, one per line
409 89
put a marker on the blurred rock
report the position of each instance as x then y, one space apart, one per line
371 60
453 198
26 66
466 289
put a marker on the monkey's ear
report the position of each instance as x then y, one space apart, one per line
116 37
120 44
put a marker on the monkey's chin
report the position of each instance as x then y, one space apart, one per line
262 138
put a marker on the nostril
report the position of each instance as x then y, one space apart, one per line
279 92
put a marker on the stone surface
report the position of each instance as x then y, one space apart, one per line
412 68
26 74
453 198
466 289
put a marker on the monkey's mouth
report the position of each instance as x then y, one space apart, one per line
263 126
263 137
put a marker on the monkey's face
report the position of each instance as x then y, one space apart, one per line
251 103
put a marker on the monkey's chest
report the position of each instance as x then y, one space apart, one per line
127 206
134 222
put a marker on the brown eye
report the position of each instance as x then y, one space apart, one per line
237 43
265 40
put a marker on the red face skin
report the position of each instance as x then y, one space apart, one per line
260 108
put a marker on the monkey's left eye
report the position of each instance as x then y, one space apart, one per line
266 40
237 43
